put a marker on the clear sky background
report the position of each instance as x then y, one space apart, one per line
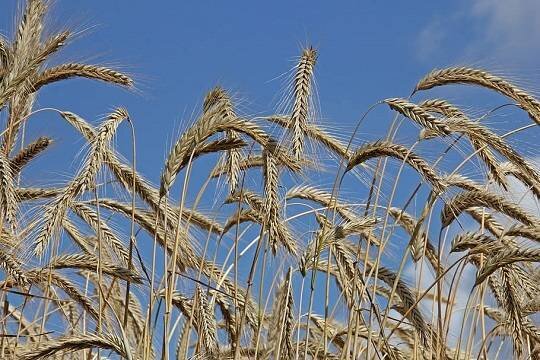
178 50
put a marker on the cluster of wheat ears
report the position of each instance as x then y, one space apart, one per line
286 269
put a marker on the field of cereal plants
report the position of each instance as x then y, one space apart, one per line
268 236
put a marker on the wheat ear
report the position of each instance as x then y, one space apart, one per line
471 76
302 92
76 343
385 148
475 198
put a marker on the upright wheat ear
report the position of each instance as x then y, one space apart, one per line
8 202
302 92
470 76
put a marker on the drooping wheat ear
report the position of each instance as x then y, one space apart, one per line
470 76
56 210
385 148
207 324
210 123
481 137
124 173
302 93
418 115
282 320
88 262
408 301
443 107
312 193
240 217
8 201
79 124
99 148
505 257
216 96
472 240
316 133
13 267
532 233
75 343
40 277
455 120
509 168
227 313
422 241
29 152
462 182
486 220
475 198
71 70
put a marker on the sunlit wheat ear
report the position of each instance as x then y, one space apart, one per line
30 27
486 220
312 193
86 262
207 324
407 298
462 182
532 233
504 287
40 278
505 257
481 137
400 152
421 241
475 198
29 152
471 76
302 92
271 206
473 240
12 266
218 96
67 71
8 201
443 107
5 55
314 132
418 115
509 168
455 120
75 343
54 43
282 320
56 210
208 124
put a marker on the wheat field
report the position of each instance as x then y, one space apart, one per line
269 236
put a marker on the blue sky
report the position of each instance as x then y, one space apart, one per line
178 50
